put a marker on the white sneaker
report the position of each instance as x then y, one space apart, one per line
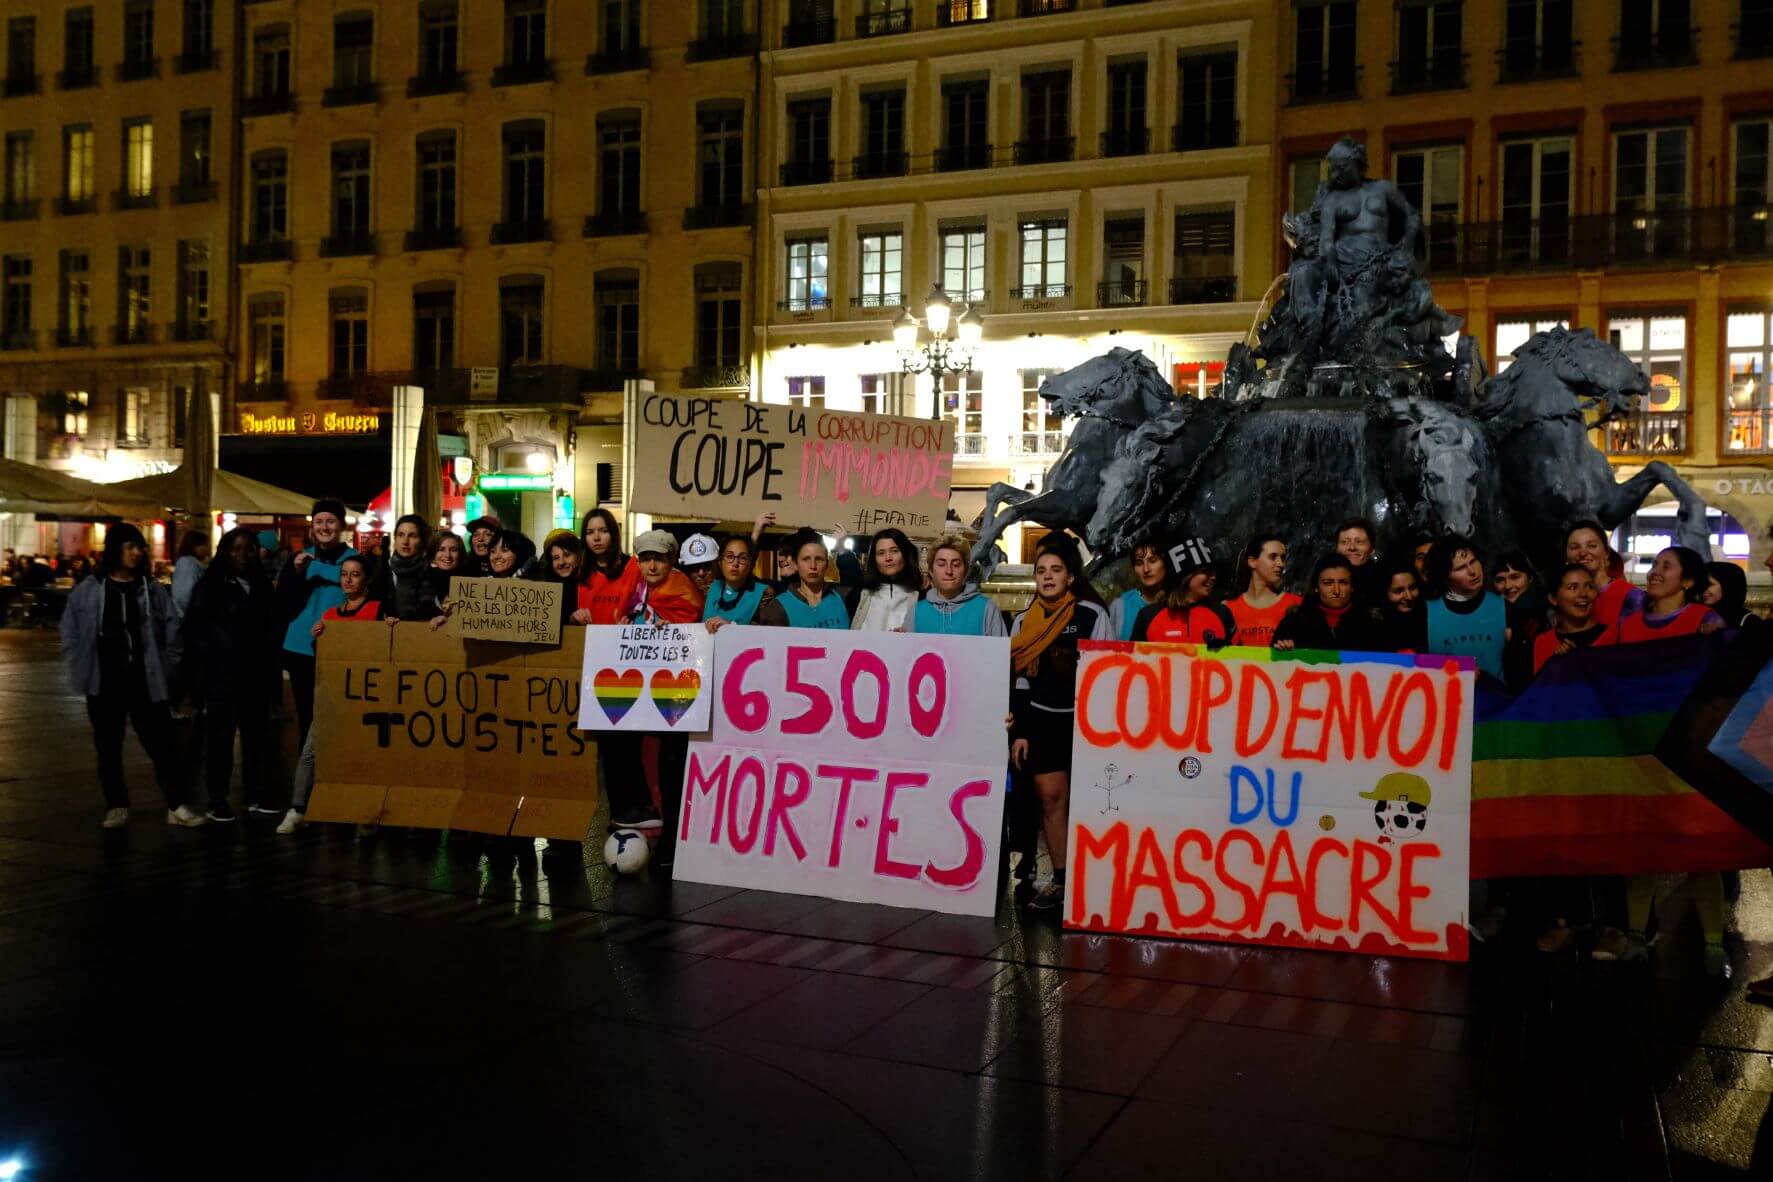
115 819
292 821
182 815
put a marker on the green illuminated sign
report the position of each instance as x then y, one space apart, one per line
515 482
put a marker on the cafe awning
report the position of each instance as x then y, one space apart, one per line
229 492
26 488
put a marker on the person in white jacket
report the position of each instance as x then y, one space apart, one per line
890 585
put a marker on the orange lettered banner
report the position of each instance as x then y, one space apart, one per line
1309 799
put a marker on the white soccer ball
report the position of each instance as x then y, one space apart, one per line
626 851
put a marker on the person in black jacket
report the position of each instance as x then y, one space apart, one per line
232 631
1328 618
405 572
1400 621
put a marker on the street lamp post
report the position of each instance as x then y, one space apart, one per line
948 348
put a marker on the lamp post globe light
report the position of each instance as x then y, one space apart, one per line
951 341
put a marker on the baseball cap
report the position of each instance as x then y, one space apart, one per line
1404 786
698 550
655 541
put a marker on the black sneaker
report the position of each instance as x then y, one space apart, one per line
222 812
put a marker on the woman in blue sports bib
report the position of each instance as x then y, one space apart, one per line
952 606
735 594
809 601
1466 618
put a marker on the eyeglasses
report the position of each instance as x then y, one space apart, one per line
731 559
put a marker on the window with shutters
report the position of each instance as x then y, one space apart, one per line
1205 264
1123 268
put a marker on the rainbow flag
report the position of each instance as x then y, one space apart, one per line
1566 776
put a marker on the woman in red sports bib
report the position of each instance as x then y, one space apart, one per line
1671 601
1263 605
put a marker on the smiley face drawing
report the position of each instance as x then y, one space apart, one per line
1400 808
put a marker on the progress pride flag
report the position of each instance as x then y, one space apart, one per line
853 765
1321 802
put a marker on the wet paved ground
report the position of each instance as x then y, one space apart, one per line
226 1003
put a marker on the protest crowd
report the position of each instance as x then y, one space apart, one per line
228 632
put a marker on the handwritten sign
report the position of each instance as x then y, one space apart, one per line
857 766
646 678
417 728
510 610
724 459
1323 802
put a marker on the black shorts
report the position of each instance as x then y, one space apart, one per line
1049 742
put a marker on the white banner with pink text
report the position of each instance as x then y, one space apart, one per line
866 766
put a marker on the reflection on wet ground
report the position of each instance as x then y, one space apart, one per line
224 1002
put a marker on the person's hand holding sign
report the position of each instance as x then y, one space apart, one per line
764 520
582 616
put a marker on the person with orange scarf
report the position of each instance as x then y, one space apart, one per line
1043 700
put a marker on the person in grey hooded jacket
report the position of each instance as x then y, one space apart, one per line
952 606
120 647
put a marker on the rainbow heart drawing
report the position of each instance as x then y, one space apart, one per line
617 692
675 693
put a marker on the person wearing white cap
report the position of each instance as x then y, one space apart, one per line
697 558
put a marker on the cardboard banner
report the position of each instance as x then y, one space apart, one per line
640 677
414 727
861 766
723 459
1316 802
514 611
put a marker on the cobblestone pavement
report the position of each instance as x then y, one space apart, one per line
223 1002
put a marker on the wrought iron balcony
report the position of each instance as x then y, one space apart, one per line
715 377
1749 432
970 443
124 199
18 340
138 69
964 157
269 250
619 61
1122 293
432 238
1664 49
1041 291
708 49
1437 71
188 331
73 206
356 95
67 337
717 216
522 73
1645 433
821 30
878 301
267 104
1044 7
1203 289
608 381
17 85
139 333
196 61
1195 136
1126 141
78 78
818 303
1334 83
338 246
193 192
806 172
1660 239
880 24
1528 61
507 233
426 85
1037 443
23 210
874 165
1047 151
616 224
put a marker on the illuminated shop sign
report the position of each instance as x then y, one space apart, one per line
330 422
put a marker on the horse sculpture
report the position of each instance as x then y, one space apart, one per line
1517 469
